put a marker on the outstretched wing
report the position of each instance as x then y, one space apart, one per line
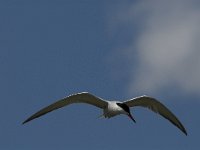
76 98
157 107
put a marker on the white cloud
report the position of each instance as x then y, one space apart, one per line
167 44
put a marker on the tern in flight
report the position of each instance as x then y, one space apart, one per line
113 108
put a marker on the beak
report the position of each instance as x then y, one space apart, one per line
131 117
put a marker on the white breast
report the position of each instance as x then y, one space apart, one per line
113 109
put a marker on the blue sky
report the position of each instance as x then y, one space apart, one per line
116 50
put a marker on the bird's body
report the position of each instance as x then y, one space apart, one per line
112 108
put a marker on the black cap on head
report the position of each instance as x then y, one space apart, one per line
124 107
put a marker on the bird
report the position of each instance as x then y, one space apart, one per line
112 108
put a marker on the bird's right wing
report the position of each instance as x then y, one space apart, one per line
157 107
76 98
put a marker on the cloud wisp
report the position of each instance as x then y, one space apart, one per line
167 45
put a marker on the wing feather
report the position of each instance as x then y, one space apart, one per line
76 98
157 107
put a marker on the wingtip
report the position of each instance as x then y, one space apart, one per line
27 120
24 122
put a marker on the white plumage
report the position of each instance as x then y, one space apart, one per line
113 108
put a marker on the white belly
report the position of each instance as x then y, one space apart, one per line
113 109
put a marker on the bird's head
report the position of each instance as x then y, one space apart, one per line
127 110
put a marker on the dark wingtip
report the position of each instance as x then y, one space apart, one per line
27 120
24 122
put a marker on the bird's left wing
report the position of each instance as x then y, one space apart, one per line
76 98
157 107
